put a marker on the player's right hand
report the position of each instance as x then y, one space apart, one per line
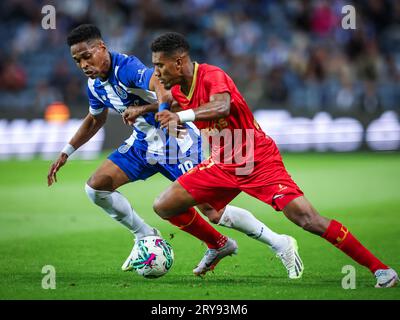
131 113
168 121
52 175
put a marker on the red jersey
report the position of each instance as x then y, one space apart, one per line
238 145
258 170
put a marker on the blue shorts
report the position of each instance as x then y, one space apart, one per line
140 165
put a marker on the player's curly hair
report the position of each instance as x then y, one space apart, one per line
83 32
169 43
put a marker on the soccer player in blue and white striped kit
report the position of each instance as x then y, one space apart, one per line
120 82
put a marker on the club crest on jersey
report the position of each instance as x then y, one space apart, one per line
124 148
121 92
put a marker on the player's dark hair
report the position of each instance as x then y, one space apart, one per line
83 32
169 43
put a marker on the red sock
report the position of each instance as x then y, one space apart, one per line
340 237
191 222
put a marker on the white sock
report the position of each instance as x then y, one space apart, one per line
119 208
243 221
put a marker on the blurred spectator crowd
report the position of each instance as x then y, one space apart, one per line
281 54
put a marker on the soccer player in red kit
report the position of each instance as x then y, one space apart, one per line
210 98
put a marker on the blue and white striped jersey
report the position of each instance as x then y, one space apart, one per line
128 84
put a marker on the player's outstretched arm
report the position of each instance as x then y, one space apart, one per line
89 127
218 107
55 166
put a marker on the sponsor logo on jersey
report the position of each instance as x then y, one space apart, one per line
121 92
124 148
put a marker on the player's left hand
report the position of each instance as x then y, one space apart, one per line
168 120
55 166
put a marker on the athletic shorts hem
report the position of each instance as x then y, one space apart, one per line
122 167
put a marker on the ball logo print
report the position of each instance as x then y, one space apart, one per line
152 257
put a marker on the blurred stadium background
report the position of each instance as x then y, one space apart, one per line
311 84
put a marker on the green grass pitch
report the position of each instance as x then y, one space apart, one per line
59 226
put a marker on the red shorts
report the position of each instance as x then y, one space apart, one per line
218 184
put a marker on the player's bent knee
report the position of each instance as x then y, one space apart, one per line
168 205
100 183
161 209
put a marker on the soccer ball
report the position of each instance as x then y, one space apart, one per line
152 257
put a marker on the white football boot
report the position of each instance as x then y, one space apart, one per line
291 259
213 256
127 264
386 278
